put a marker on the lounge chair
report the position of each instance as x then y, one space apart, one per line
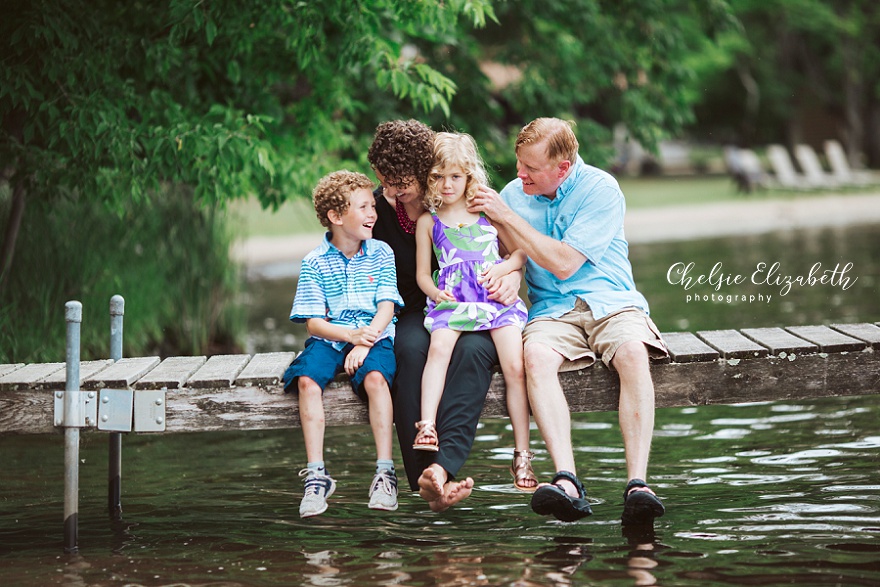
839 163
754 169
733 162
745 169
812 167
783 168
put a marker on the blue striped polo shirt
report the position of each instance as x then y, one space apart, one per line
344 291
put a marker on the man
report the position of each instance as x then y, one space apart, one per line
568 218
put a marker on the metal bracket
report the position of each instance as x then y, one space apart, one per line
87 414
115 410
149 410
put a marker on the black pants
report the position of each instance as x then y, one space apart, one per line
467 382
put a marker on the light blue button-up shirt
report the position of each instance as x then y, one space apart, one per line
344 291
587 214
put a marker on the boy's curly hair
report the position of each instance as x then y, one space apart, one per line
402 151
334 190
455 150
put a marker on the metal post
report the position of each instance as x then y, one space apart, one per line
114 481
73 316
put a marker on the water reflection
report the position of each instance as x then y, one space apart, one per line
642 557
555 566
221 509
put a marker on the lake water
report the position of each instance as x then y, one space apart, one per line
771 493
795 252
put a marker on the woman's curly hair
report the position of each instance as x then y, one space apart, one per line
334 190
402 151
455 150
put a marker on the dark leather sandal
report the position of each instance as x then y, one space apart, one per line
640 507
553 500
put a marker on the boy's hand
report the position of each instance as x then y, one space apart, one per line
365 335
355 358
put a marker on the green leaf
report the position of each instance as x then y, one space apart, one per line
210 32
233 71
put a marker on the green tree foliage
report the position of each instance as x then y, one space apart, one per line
117 107
604 62
236 99
598 62
116 97
111 99
121 102
166 256
791 57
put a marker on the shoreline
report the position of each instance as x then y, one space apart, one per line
279 257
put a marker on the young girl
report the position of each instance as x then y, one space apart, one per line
467 249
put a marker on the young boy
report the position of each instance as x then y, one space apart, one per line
347 296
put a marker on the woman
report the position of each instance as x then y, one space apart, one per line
401 157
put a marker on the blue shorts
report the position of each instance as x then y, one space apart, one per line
322 363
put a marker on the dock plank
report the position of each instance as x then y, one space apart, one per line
265 369
28 376
9 368
172 373
870 333
58 380
218 372
121 374
732 344
828 341
684 347
779 341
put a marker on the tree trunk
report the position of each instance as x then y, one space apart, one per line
853 110
13 224
873 139
753 103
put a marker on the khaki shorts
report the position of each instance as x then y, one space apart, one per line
579 337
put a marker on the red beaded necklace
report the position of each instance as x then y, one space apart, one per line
406 223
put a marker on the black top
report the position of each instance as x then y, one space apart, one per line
403 244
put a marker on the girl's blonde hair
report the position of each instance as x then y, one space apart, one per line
455 150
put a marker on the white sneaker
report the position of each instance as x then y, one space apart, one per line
383 491
317 489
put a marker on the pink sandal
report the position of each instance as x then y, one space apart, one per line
426 439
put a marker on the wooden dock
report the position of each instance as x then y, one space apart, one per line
243 392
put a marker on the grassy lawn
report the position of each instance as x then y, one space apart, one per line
648 192
298 217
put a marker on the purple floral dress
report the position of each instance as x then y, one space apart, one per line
465 252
